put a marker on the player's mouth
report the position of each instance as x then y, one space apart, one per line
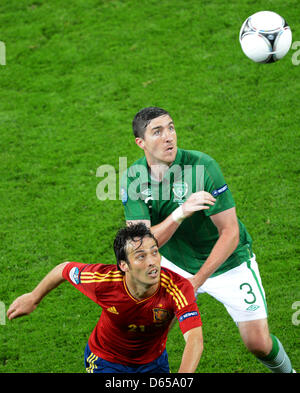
153 273
170 149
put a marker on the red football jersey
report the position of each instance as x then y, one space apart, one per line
132 331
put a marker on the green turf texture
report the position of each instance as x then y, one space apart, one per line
75 75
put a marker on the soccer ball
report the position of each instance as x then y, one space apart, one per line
265 37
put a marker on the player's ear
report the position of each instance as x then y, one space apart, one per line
140 142
124 266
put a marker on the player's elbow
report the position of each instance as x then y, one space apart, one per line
232 232
63 264
195 342
194 338
60 268
200 345
235 233
200 348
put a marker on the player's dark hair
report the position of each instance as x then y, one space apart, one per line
132 232
143 118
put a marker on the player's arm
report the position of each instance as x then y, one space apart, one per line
228 228
163 231
28 302
192 351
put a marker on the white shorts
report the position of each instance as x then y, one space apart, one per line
239 289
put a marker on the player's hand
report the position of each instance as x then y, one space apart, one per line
200 200
194 283
23 305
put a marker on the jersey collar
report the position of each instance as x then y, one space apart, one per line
138 300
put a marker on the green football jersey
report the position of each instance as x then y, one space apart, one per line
147 199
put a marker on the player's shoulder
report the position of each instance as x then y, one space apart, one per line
100 273
99 267
87 273
139 164
138 167
177 288
174 278
192 157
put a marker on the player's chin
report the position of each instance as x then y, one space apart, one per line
153 281
170 155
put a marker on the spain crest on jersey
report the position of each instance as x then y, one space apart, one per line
160 315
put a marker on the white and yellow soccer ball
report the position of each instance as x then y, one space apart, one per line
265 37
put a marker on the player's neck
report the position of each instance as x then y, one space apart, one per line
157 169
138 290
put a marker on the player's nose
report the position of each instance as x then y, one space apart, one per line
168 135
151 261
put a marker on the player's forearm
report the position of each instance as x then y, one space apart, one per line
221 251
200 200
27 303
49 282
164 230
192 351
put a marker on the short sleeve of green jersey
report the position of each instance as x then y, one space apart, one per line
215 184
135 208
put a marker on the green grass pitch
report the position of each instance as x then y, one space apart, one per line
76 73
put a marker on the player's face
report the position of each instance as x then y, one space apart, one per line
144 262
160 141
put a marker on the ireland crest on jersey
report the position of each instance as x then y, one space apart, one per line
180 190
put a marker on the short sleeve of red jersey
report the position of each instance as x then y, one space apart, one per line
87 278
182 292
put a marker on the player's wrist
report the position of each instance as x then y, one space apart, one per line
36 296
178 215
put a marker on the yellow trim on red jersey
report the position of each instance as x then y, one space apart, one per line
173 290
133 298
90 277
